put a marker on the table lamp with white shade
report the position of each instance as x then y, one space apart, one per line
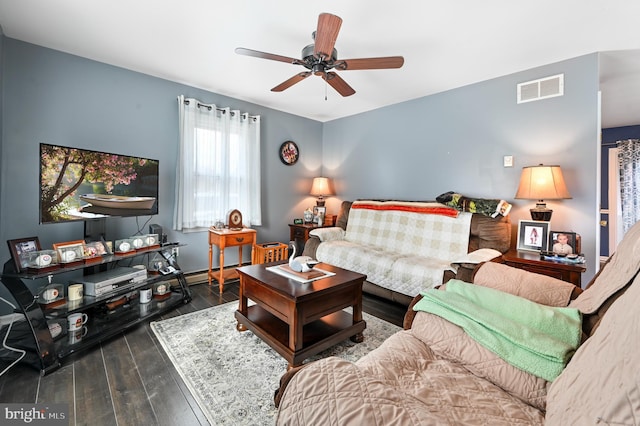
542 183
320 188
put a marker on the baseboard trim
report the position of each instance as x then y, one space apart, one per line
196 277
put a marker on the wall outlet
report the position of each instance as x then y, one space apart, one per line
175 252
508 160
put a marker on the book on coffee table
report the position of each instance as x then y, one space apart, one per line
303 277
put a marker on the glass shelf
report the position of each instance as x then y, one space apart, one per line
46 352
34 274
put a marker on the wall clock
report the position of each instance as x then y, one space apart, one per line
234 219
289 153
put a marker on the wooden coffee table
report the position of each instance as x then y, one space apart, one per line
296 319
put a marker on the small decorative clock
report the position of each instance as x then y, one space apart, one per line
289 153
234 219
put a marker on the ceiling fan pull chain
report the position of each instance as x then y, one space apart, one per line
325 89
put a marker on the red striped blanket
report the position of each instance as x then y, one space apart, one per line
414 207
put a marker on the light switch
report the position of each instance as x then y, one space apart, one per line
508 161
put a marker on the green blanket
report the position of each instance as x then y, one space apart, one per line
536 338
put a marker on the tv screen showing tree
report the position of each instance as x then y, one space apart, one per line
80 184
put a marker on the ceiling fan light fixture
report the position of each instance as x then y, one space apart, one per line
318 62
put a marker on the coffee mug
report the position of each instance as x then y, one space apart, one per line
161 289
76 321
145 295
76 291
77 335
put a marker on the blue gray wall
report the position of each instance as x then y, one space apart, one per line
456 140
414 150
63 99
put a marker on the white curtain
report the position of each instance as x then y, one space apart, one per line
629 169
218 167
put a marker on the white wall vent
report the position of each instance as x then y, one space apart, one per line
543 88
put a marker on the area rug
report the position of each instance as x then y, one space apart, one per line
233 375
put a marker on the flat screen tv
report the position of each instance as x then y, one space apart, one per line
80 184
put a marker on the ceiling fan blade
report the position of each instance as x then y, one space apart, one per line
370 63
326 34
264 55
339 84
290 82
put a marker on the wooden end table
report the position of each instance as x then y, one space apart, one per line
530 261
296 319
299 233
223 238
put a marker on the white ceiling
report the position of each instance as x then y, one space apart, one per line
446 44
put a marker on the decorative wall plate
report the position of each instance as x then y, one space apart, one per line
289 153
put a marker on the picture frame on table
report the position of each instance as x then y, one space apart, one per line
70 251
20 248
564 242
533 235
319 210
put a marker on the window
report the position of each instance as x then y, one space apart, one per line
218 168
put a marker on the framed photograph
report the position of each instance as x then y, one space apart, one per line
71 251
20 248
533 235
319 210
563 242
94 249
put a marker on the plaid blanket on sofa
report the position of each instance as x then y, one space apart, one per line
403 246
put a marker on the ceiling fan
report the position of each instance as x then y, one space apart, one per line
320 57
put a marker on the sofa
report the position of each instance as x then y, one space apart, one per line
405 246
434 373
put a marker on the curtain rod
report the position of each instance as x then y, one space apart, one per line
618 142
222 110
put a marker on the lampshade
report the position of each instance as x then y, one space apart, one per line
542 183
321 187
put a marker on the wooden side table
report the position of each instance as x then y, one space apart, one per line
530 261
223 238
299 233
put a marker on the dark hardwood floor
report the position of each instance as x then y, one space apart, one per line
129 380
